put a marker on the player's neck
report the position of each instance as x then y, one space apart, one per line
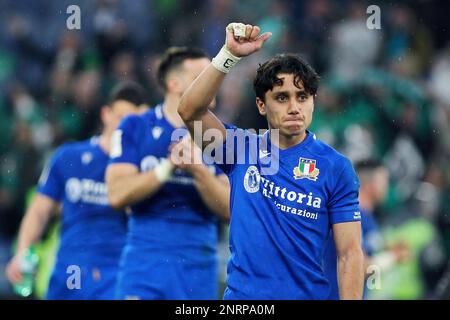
285 142
104 142
170 110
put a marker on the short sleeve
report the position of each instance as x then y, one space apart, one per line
51 182
343 204
124 145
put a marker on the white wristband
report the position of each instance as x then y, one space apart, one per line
163 171
225 60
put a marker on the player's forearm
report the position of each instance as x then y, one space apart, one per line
31 230
214 191
129 189
351 274
196 99
34 222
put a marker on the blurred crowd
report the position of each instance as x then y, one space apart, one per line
383 94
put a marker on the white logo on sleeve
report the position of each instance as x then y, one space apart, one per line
86 158
156 132
252 179
116 144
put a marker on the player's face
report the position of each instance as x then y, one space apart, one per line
118 110
381 184
190 71
287 107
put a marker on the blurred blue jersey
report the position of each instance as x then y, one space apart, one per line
280 222
92 233
172 232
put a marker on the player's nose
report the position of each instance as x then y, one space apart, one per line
294 107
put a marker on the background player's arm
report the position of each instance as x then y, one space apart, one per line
31 229
347 237
196 99
213 189
126 185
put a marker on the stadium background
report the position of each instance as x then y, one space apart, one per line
384 94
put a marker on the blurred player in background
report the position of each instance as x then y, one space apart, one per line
172 239
374 179
280 222
92 232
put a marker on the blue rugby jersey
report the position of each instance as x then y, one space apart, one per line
175 217
280 222
90 228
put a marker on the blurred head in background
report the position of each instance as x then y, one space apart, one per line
374 181
179 67
126 98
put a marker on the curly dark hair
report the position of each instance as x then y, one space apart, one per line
173 57
266 76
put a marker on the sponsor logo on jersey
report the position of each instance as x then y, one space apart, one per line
285 200
86 190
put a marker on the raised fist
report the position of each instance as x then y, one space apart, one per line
243 40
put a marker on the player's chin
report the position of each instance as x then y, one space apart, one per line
294 129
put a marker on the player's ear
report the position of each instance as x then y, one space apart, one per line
105 114
261 106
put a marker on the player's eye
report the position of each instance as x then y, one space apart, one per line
302 97
281 98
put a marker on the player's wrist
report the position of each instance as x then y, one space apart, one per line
224 61
163 171
198 170
21 249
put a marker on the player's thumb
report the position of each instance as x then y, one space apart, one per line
229 36
263 38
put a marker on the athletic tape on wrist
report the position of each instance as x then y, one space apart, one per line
225 60
163 171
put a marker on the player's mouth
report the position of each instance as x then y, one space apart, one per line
292 121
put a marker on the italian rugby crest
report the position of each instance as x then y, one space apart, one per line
306 169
